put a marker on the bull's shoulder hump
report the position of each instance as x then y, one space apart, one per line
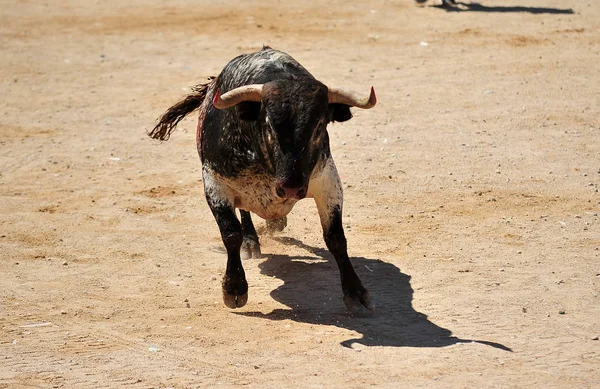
262 66
269 54
262 58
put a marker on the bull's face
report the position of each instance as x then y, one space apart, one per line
293 115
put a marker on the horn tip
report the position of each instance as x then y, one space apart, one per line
373 97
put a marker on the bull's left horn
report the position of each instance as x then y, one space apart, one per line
351 98
237 95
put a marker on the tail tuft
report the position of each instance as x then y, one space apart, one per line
169 120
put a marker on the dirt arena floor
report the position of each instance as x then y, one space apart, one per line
471 199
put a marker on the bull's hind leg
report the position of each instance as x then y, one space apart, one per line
250 245
327 192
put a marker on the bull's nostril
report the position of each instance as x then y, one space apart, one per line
301 193
280 191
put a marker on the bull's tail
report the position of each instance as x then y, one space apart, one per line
169 120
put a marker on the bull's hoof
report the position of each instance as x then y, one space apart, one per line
232 301
277 225
235 291
250 249
357 301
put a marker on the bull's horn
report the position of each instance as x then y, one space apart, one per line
351 98
237 95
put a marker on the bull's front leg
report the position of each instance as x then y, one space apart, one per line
327 192
235 286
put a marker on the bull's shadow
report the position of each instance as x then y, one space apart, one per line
478 7
312 291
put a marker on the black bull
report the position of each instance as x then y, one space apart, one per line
263 142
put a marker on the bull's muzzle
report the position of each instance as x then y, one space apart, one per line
291 192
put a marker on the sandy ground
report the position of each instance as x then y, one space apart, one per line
471 199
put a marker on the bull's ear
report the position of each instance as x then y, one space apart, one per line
248 111
339 113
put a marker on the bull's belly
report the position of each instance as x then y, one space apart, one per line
250 192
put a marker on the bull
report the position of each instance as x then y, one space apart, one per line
263 143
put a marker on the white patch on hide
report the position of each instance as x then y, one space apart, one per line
326 188
250 192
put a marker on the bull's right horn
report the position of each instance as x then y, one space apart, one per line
237 95
351 98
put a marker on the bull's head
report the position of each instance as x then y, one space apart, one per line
294 116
